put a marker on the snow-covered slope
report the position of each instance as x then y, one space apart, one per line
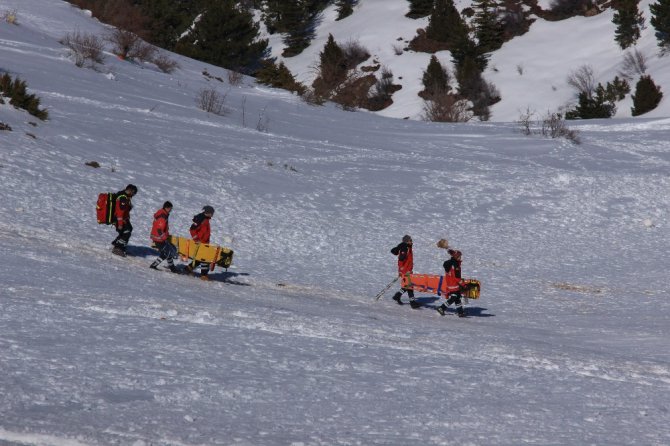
567 345
530 71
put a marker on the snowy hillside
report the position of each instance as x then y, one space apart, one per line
567 345
530 71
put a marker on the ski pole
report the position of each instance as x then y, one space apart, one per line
381 293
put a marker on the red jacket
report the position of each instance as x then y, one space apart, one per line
452 278
160 230
405 258
122 207
200 228
453 268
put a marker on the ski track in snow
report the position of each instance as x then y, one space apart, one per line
567 345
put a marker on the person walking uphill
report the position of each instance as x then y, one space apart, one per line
452 269
405 265
160 234
200 233
122 208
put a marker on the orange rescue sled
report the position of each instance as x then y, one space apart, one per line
441 285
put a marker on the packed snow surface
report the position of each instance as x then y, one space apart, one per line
568 343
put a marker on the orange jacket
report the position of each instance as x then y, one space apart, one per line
200 228
405 258
160 230
453 268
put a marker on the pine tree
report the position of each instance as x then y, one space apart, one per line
446 24
435 79
167 20
488 29
660 20
629 21
345 8
332 68
278 76
466 50
225 36
419 8
296 19
298 25
594 107
647 96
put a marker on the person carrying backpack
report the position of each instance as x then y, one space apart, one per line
405 265
200 232
122 208
160 234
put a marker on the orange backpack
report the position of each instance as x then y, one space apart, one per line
105 208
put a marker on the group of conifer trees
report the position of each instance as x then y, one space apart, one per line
224 32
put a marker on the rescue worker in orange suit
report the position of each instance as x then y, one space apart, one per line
200 232
405 265
122 208
452 269
160 235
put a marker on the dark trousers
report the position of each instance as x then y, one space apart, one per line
455 298
204 267
123 238
166 251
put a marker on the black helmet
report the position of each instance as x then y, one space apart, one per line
208 210
132 187
167 205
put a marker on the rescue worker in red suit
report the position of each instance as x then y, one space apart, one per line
200 233
405 265
160 235
122 207
452 269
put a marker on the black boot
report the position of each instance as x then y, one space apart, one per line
414 304
396 297
442 309
154 265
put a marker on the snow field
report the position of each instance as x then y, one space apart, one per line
566 346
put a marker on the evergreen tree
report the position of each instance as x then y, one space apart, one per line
332 68
469 77
419 8
225 36
617 89
596 106
660 20
278 76
647 96
435 79
628 20
466 50
298 25
446 24
345 8
488 29
296 19
167 20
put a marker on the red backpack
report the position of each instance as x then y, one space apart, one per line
105 208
